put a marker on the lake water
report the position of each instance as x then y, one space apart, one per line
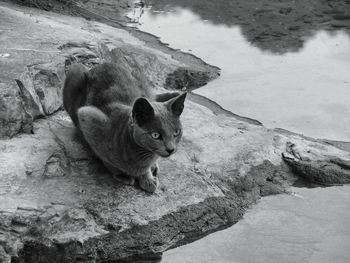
310 226
306 92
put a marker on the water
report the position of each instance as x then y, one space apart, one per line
310 226
306 91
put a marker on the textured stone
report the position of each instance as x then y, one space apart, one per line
59 204
12 113
316 167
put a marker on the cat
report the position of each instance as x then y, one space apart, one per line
125 124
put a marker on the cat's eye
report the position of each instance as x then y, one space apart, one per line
155 135
177 132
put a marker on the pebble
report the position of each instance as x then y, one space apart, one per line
4 55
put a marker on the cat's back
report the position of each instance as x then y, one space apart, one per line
113 83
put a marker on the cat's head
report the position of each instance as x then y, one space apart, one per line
157 126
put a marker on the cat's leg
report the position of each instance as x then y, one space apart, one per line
148 182
95 126
119 175
125 179
155 169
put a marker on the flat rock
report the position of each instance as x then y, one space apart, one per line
58 202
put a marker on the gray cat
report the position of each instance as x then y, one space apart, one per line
126 126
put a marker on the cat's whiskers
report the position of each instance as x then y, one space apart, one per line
143 154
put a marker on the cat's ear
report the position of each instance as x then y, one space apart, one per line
176 105
142 111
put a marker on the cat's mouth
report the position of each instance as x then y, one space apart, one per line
164 155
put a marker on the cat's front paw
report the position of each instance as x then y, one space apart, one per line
148 182
155 169
127 180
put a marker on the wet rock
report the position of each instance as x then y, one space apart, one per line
187 79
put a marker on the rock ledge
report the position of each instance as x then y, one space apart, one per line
59 204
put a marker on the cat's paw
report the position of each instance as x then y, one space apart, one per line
125 179
148 182
155 169
119 175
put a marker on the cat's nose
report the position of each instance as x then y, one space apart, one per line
170 151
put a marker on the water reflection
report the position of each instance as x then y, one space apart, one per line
274 25
306 92
312 225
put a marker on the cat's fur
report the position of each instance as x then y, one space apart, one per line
119 120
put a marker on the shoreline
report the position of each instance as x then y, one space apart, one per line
120 20
61 204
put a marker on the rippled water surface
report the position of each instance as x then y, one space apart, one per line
306 91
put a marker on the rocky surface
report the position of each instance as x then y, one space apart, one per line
36 53
322 169
59 204
114 10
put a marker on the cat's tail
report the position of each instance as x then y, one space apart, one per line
74 90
